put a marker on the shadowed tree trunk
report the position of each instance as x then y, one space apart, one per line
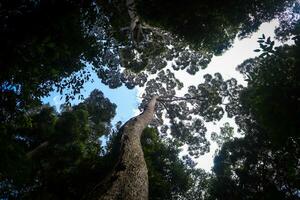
129 179
37 149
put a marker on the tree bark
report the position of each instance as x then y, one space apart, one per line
129 180
36 150
135 24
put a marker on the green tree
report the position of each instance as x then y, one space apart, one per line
49 154
216 22
265 163
43 42
146 36
169 176
81 31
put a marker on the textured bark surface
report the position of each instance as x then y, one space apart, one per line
37 149
129 180
135 24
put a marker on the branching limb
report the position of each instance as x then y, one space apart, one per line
175 98
36 150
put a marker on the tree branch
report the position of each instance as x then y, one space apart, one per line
174 98
36 150
135 26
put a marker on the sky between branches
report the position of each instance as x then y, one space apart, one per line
226 65
127 101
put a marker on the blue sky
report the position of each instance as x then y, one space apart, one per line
125 99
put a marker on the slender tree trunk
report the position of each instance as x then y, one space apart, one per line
135 24
36 150
129 180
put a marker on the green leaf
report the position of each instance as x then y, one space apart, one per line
272 44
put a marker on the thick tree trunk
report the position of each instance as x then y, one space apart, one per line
129 180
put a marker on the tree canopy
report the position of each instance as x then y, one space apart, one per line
46 46
40 46
216 22
264 164
44 151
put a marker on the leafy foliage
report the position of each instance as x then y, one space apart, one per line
273 91
209 27
73 156
265 163
250 168
187 114
39 47
225 135
169 176
46 44
215 22
47 151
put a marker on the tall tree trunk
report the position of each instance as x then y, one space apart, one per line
129 180
135 23
36 150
